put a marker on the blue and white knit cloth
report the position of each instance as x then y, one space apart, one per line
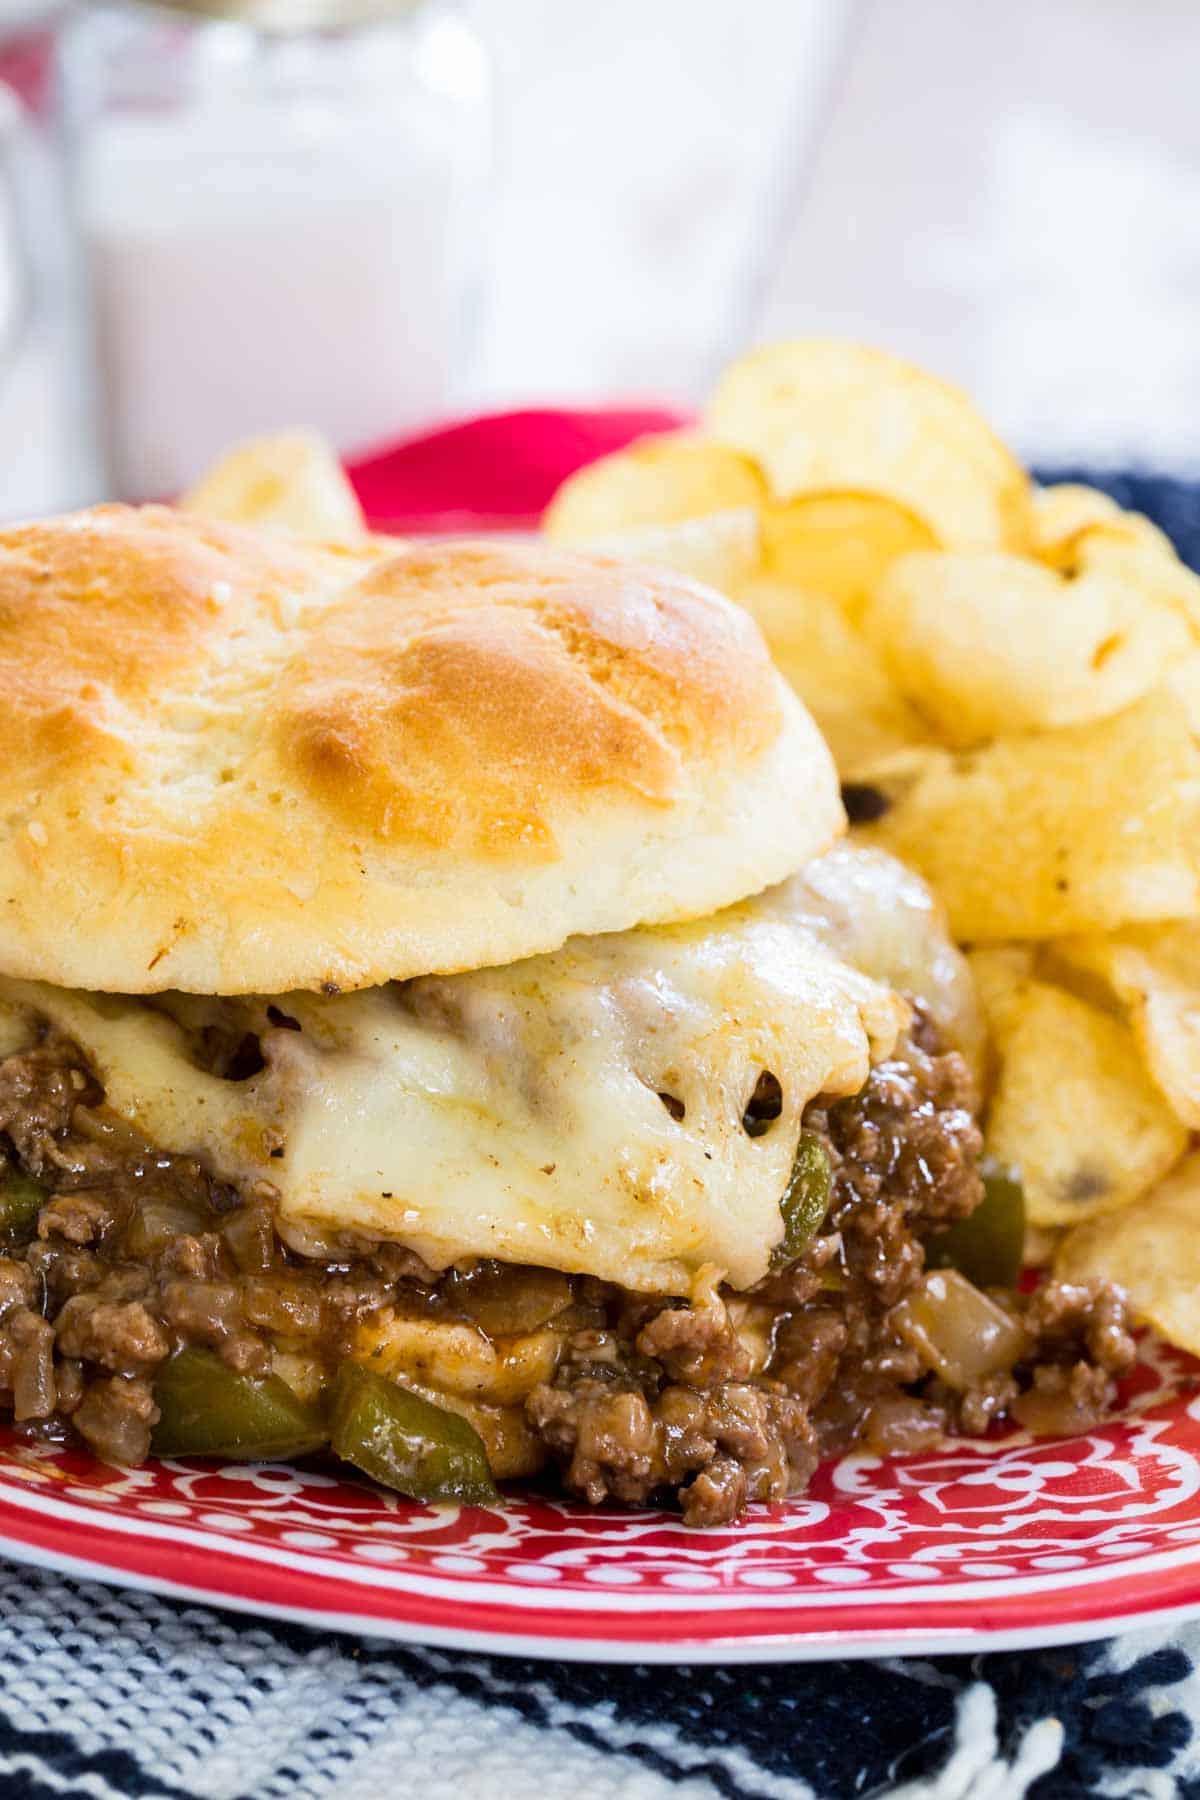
120 1696
106 1695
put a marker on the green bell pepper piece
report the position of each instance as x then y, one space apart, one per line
209 1410
405 1442
988 1245
21 1200
805 1199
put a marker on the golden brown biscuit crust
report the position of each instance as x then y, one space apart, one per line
235 762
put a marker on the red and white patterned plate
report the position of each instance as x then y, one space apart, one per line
1003 1544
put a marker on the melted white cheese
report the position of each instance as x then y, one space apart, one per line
517 1112
875 913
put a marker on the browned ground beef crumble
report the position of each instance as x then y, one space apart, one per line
137 1254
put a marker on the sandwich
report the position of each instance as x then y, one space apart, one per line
440 1028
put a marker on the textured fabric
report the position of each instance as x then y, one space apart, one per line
107 1694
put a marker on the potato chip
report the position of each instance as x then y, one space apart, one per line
1152 1250
1084 829
1184 683
840 544
835 672
721 549
1062 510
1130 549
819 415
1000 973
293 482
1066 517
1073 1107
657 481
987 644
1153 972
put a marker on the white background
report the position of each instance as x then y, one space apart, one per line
1007 192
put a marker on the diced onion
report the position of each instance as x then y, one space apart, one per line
957 1331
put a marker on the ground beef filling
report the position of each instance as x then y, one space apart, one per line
718 1401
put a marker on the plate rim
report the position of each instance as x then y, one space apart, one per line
41 1528
836 1645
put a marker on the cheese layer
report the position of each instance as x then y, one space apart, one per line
581 1110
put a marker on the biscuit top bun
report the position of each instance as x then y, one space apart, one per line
237 763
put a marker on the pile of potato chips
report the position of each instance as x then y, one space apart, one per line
1009 678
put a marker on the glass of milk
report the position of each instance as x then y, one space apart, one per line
281 209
